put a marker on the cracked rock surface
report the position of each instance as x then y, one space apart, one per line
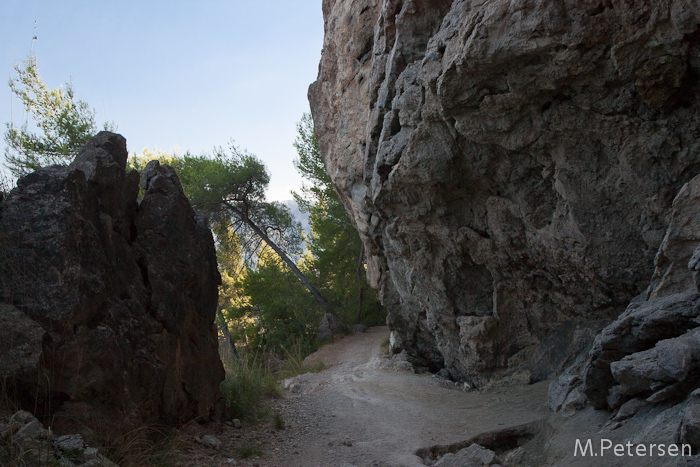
109 303
510 165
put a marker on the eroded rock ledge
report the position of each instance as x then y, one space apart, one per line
510 166
108 305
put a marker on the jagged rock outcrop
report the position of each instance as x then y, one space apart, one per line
108 303
652 350
635 335
645 365
510 166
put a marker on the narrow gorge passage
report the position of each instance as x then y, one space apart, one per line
361 412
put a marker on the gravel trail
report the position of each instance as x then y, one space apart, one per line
361 412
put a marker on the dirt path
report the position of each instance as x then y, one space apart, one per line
360 412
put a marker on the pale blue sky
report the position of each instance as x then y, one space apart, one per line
185 74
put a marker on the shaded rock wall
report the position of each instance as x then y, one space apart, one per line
645 365
510 165
652 350
109 304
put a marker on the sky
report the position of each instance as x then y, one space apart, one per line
177 75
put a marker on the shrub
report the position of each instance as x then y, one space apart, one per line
248 383
278 421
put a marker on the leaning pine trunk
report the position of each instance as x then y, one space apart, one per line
283 256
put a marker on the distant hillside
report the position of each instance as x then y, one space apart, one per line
301 217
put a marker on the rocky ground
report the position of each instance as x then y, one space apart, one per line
365 410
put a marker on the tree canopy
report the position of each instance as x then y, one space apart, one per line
64 124
230 187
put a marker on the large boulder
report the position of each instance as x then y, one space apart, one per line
472 456
109 303
669 370
331 327
510 165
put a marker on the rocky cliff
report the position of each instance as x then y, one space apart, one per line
108 304
511 167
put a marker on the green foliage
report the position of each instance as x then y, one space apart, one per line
311 167
5 187
334 243
139 161
230 186
264 299
263 303
266 308
64 124
248 384
277 312
231 263
211 182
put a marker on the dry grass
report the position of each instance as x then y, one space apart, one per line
249 449
248 384
26 454
252 379
278 421
38 453
385 345
143 445
127 445
294 363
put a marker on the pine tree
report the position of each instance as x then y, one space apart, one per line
64 124
337 252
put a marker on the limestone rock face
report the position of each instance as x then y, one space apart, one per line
510 165
652 350
638 329
111 302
